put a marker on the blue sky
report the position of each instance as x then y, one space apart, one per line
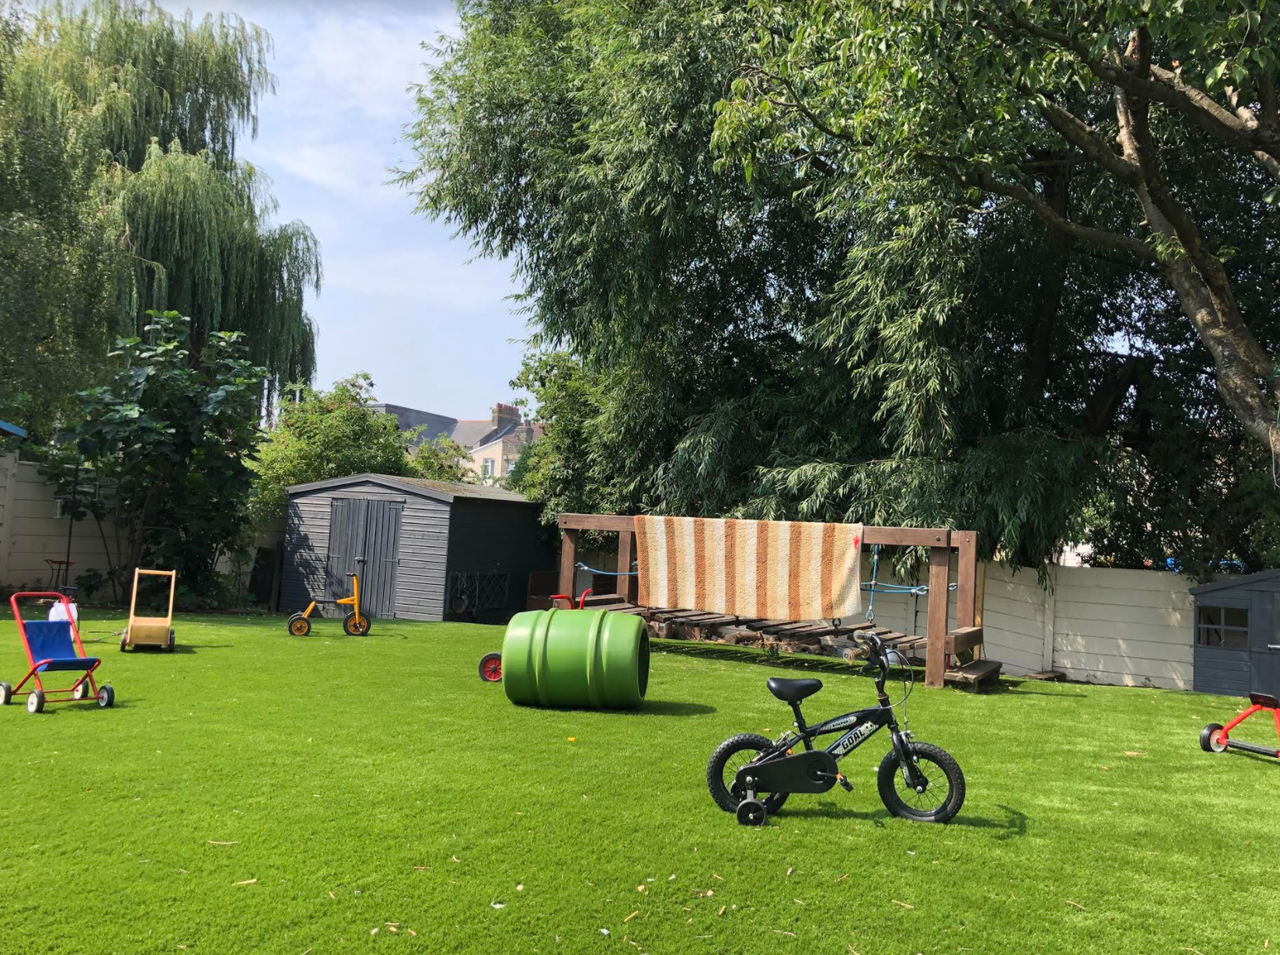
401 300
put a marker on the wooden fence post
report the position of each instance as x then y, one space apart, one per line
627 587
935 667
568 561
966 543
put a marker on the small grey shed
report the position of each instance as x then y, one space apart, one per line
1237 644
424 550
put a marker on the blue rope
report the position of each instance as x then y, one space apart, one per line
606 573
875 587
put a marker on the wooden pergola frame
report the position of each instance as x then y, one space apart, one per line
940 541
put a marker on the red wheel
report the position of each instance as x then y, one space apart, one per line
491 668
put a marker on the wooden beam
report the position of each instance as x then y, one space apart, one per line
907 536
568 560
628 587
936 637
966 543
596 522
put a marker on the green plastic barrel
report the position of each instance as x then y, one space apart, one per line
587 659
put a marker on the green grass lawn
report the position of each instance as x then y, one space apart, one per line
256 792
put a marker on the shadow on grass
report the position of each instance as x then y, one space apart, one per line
1013 825
674 708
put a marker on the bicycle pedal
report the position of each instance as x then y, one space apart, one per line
848 786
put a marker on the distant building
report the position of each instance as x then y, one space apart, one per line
494 443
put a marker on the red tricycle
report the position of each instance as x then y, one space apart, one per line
1216 738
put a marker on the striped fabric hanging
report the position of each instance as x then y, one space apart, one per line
772 570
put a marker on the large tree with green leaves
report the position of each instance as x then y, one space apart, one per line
1144 132
764 325
120 192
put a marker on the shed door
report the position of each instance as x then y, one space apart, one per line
1264 647
364 538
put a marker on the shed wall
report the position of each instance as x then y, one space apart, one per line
424 539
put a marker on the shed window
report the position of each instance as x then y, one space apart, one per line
1226 627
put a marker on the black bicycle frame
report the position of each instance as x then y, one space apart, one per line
858 726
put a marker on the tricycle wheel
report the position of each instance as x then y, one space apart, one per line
722 771
299 625
106 695
35 701
751 812
1211 739
491 668
357 624
942 791
6 694
81 692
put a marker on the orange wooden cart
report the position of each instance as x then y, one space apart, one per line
150 631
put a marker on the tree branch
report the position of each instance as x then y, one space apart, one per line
984 180
1162 86
1075 131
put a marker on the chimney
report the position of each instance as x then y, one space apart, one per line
505 414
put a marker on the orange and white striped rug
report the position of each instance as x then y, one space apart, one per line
769 570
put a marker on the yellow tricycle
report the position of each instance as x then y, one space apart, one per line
355 624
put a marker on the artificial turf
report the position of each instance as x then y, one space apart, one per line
257 792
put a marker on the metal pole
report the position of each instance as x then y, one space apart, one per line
71 523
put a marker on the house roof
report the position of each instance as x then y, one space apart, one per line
1233 582
436 490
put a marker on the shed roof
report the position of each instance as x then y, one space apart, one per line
1269 577
437 490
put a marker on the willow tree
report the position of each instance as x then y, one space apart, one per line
121 192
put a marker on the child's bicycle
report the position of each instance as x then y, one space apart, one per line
752 776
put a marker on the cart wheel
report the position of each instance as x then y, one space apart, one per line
81 692
124 641
491 668
106 695
751 812
1211 740
6 694
299 625
35 701
170 641
356 625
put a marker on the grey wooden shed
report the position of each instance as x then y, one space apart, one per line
425 550
1237 640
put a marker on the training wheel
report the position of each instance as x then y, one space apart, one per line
491 668
751 812
106 695
1211 739
299 625
6 694
35 701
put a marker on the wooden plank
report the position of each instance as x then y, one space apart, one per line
600 601
628 586
939 573
568 559
964 638
596 522
907 536
975 672
966 543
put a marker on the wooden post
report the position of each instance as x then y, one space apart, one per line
568 561
627 587
1050 607
966 543
936 638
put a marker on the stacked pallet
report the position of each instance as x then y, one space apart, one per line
804 637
